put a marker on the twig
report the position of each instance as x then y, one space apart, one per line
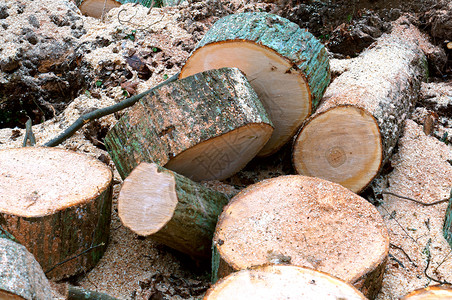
396 260
74 257
98 113
444 259
29 134
429 255
414 240
414 200
403 251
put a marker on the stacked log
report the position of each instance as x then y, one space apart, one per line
57 204
356 127
207 126
96 8
436 292
307 222
171 209
286 66
282 282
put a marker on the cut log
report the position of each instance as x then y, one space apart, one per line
436 292
447 229
206 126
21 276
286 66
356 127
307 222
281 282
170 208
96 8
57 204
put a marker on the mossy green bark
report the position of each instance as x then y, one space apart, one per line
191 228
20 273
286 38
181 115
447 229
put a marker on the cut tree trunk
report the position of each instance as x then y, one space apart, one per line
447 229
282 282
303 221
170 208
286 66
21 276
57 204
357 125
96 8
206 126
436 292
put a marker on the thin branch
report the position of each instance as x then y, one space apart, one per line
416 201
98 113
429 255
403 251
74 257
382 206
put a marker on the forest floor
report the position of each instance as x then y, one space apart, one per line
133 48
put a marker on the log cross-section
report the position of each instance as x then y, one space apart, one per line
206 126
356 127
57 203
286 65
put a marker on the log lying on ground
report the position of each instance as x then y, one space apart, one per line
57 204
21 276
281 282
206 126
447 229
356 127
303 221
170 208
436 292
96 8
286 65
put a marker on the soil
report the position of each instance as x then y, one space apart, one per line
56 65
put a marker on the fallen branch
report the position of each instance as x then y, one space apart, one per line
416 201
99 113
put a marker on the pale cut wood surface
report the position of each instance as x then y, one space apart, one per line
57 203
303 221
21 276
437 292
377 91
96 8
286 65
170 208
281 282
207 126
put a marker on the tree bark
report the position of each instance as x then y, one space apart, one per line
358 123
286 65
21 275
282 282
206 126
170 208
307 222
57 204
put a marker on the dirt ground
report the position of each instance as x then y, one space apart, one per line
101 62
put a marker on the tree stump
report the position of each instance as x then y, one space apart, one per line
436 292
96 8
303 221
286 66
21 276
447 229
57 204
206 126
281 282
170 208
355 129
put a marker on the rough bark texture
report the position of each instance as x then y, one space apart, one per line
383 82
447 229
186 113
21 274
54 219
307 222
282 282
190 224
304 53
